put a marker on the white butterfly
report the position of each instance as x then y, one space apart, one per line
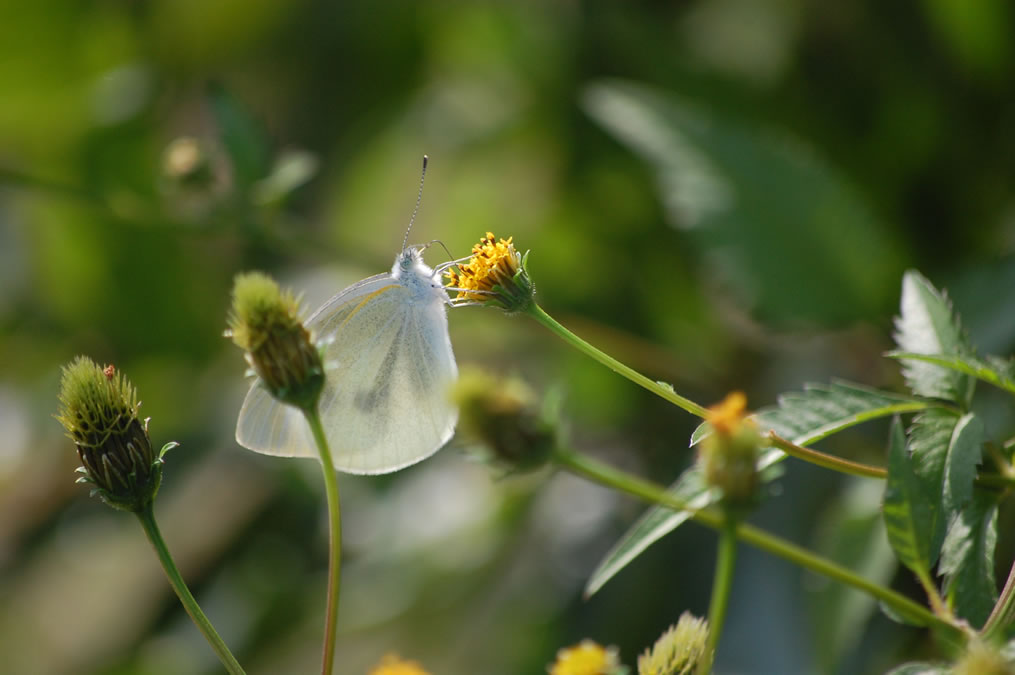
388 364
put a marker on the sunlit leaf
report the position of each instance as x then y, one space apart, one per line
921 668
992 370
927 325
821 410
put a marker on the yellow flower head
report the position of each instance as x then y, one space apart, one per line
495 275
586 658
678 650
392 665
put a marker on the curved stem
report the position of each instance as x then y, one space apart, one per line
151 529
334 540
722 584
661 390
1003 613
656 494
826 460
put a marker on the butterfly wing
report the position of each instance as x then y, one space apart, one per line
384 404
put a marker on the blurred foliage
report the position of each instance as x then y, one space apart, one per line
848 141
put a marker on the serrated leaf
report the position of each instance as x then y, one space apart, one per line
945 449
821 410
654 524
906 508
787 230
992 370
927 325
967 559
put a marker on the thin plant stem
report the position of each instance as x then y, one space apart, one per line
656 494
825 460
663 391
725 563
1003 613
151 529
994 481
334 539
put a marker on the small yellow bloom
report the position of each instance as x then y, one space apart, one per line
495 274
586 658
392 665
678 650
728 413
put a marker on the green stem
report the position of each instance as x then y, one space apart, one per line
656 494
151 529
825 460
722 584
334 539
663 391
1004 610
994 481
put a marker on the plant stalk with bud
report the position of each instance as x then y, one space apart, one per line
265 324
99 409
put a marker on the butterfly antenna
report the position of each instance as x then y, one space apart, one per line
419 199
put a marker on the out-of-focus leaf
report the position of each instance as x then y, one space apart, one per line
292 170
967 559
821 410
945 449
927 325
654 524
852 534
906 509
771 217
921 668
242 136
992 370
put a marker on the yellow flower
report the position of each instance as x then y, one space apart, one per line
678 650
586 658
495 275
392 665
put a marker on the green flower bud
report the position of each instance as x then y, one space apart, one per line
265 323
729 454
502 417
981 658
99 410
678 650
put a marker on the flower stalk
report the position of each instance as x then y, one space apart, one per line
147 519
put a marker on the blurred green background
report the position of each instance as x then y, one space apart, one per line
721 194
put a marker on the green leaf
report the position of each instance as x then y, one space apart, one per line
821 410
783 227
906 509
243 137
992 370
945 450
654 524
967 559
926 325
